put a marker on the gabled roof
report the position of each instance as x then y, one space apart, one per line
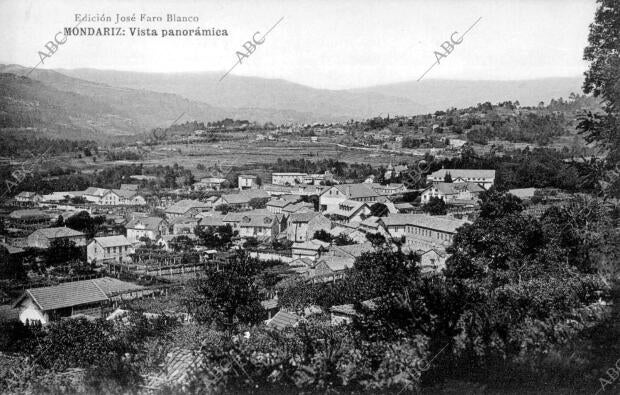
28 213
212 221
125 193
303 217
355 191
451 188
463 173
278 203
112 241
353 250
76 293
55 233
311 245
93 191
336 263
146 223
283 319
434 222
183 206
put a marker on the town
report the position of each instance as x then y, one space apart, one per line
313 220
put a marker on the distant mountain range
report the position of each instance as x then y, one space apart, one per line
88 103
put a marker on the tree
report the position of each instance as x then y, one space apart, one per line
603 53
62 251
447 178
379 210
227 297
343 240
377 239
323 235
258 203
83 222
218 237
435 206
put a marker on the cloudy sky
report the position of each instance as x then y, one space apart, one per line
321 43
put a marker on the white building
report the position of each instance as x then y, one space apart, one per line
483 177
110 248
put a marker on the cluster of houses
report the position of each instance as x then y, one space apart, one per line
292 210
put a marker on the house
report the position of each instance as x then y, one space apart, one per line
149 227
452 192
101 196
183 225
28 197
41 238
346 313
300 207
485 178
277 205
265 226
331 267
433 260
374 225
389 189
352 250
302 226
330 198
85 297
430 228
349 211
110 248
247 181
242 199
283 319
28 217
187 208
309 249
129 197
209 184
287 178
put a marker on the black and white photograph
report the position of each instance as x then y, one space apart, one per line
304 197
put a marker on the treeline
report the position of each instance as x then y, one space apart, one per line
43 182
355 171
21 144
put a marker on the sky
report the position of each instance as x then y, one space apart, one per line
335 44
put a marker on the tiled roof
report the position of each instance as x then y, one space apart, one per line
310 245
434 222
337 263
278 203
112 241
303 217
183 206
148 223
212 221
53 233
353 250
464 173
356 191
125 193
29 213
130 187
76 293
179 364
283 319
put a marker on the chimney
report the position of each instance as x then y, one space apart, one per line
348 190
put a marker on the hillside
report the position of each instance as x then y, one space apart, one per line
443 94
258 93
